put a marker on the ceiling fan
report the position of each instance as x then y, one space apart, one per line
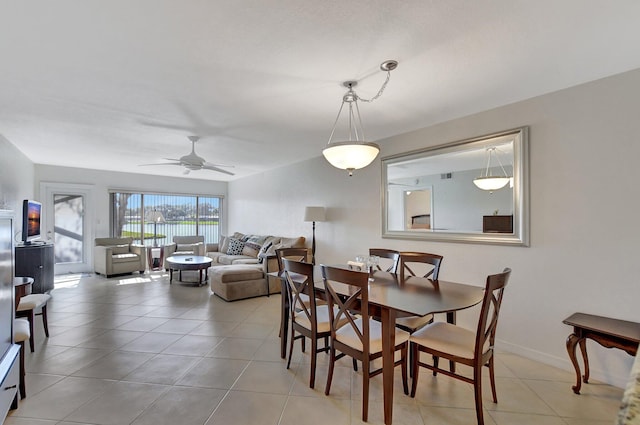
193 162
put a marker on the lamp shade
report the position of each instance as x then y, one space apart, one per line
351 155
314 214
491 183
155 217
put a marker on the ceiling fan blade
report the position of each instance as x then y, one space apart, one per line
172 159
160 163
214 168
210 164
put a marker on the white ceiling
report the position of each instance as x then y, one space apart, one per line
114 84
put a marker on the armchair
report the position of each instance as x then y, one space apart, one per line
113 256
185 245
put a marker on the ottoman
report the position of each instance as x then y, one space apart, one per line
238 281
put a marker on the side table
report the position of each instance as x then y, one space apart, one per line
608 332
155 257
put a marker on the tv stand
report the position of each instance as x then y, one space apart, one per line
36 261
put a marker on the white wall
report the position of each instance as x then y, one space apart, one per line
16 178
584 199
101 181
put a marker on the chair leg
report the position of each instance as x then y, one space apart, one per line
435 365
415 356
291 341
404 359
332 360
23 391
365 390
477 390
314 354
31 336
355 365
492 378
45 321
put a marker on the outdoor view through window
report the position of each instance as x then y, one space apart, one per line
156 218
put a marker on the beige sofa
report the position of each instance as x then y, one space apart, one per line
240 264
113 256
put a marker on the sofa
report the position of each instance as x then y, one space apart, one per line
113 256
240 264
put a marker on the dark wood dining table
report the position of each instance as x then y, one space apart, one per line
389 297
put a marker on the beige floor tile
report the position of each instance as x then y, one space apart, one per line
120 404
236 348
115 365
405 415
182 405
36 382
30 421
265 377
68 361
178 326
508 418
111 339
214 328
567 404
193 345
143 324
432 415
514 396
243 408
316 411
151 342
253 330
214 373
162 369
62 398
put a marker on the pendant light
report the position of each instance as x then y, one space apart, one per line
355 152
488 181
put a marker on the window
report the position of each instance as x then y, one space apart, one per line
184 215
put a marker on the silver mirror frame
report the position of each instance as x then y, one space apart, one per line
520 235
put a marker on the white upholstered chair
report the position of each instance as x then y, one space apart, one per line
118 255
27 308
20 335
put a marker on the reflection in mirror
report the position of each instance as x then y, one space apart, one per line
468 191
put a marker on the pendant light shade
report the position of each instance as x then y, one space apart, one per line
351 156
354 153
486 181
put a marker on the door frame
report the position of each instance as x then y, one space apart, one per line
47 190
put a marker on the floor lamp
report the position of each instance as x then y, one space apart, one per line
155 217
314 214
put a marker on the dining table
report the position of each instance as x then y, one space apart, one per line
391 297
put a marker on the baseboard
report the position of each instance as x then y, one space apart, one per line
563 363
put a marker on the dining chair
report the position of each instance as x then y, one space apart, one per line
27 307
389 254
20 335
413 323
308 319
361 337
460 345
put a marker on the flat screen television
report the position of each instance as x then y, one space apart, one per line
31 215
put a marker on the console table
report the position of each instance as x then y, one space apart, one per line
610 333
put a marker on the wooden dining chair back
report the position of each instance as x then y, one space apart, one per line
359 337
389 254
407 258
308 319
297 254
474 349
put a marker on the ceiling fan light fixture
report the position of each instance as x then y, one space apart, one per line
355 153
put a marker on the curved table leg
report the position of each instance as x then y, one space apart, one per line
572 341
583 349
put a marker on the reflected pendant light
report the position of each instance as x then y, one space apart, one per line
355 152
489 182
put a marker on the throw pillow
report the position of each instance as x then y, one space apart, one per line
263 251
235 247
223 245
253 244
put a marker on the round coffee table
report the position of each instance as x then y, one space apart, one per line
188 262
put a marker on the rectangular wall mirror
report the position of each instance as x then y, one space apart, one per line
473 190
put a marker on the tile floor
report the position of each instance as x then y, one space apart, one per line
134 350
